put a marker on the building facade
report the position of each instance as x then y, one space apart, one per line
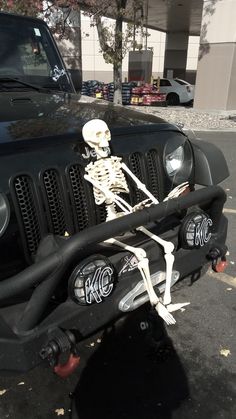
94 66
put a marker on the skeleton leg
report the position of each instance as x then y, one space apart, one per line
169 258
143 266
168 246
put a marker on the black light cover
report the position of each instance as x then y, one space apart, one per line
196 230
92 280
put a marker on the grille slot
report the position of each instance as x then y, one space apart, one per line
55 202
154 175
81 197
147 169
27 212
136 161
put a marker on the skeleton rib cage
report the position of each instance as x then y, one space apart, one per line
108 174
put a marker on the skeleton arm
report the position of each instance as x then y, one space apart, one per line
173 194
139 184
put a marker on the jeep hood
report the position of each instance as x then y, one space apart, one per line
30 115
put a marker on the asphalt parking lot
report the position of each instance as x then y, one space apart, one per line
129 374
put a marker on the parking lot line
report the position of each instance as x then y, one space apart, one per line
228 279
229 210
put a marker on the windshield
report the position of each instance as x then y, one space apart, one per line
27 53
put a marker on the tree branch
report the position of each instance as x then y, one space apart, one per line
102 38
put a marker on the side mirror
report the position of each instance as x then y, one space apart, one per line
76 77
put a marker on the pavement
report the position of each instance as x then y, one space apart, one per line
131 373
192 375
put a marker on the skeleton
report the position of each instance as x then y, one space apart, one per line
107 176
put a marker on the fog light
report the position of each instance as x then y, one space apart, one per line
92 280
195 231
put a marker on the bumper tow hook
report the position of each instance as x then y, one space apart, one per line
219 262
219 265
64 370
63 345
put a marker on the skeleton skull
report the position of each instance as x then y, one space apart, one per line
97 135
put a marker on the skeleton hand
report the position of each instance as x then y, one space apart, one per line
177 191
141 205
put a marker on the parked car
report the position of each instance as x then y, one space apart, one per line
178 91
59 281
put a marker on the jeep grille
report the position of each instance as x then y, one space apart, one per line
59 201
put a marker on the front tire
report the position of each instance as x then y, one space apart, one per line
172 99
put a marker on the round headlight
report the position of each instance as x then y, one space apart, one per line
4 213
178 158
174 161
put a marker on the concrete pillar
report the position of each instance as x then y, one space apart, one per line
176 54
216 73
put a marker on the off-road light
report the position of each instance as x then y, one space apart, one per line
4 213
196 230
174 161
92 280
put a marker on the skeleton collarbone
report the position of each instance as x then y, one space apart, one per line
108 174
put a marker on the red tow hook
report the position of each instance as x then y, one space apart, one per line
218 258
220 266
64 370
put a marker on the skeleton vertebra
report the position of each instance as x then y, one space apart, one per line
108 180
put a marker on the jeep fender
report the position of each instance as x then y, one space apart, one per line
210 164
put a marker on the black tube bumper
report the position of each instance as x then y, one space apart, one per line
21 338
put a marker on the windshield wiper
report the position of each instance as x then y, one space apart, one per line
23 83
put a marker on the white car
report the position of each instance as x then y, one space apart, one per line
177 91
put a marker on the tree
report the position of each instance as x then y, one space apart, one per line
54 11
28 7
114 42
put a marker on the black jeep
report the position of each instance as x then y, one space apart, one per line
59 282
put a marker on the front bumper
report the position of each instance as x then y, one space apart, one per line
23 332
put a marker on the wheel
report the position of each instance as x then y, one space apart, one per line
172 99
